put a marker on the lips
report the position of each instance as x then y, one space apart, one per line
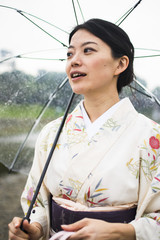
77 74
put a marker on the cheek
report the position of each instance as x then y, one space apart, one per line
67 69
100 63
99 67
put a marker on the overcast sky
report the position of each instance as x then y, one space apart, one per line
19 36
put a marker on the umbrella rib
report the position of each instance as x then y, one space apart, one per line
46 22
80 10
20 55
20 12
35 17
148 49
6 59
128 13
74 9
123 16
37 121
145 94
147 56
148 92
48 59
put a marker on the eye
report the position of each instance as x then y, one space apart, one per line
88 50
69 54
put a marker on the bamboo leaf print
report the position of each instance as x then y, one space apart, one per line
58 145
85 197
102 200
74 155
158 179
101 189
154 151
158 136
69 118
128 163
155 189
68 189
91 202
89 192
98 183
91 196
70 192
153 168
79 130
145 143
137 174
65 197
96 195
79 117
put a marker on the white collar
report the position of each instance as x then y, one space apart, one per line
92 128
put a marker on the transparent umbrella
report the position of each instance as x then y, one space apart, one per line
34 87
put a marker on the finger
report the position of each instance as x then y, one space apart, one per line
16 222
79 235
12 236
14 225
75 226
14 229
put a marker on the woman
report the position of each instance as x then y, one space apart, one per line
106 163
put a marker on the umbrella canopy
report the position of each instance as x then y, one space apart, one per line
34 86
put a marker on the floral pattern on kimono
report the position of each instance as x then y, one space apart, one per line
122 159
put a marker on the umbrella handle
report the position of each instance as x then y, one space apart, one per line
47 162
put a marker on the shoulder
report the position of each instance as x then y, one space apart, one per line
150 134
49 131
141 119
51 126
143 126
147 122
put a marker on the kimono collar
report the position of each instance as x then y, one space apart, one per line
92 128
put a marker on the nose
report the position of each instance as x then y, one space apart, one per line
76 60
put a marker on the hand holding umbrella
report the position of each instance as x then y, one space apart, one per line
33 231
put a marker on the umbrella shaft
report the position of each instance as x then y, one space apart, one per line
47 162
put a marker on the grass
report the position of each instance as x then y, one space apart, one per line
18 119
24 112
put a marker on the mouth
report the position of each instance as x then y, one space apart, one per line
77 75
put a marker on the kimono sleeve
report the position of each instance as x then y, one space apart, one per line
147 223
40 211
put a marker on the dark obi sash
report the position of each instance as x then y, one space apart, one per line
60 215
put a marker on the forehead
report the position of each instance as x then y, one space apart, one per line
82 36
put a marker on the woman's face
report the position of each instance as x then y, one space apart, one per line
90 66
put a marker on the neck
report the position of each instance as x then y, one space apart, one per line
96 106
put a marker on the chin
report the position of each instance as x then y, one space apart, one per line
78 90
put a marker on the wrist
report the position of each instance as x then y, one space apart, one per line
126 231
39 229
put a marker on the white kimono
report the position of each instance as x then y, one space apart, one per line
117 168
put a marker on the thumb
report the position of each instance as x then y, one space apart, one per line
25 225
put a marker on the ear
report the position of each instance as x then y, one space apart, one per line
122 65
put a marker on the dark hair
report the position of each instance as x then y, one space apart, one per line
118 41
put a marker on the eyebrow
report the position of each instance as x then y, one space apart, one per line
83 44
